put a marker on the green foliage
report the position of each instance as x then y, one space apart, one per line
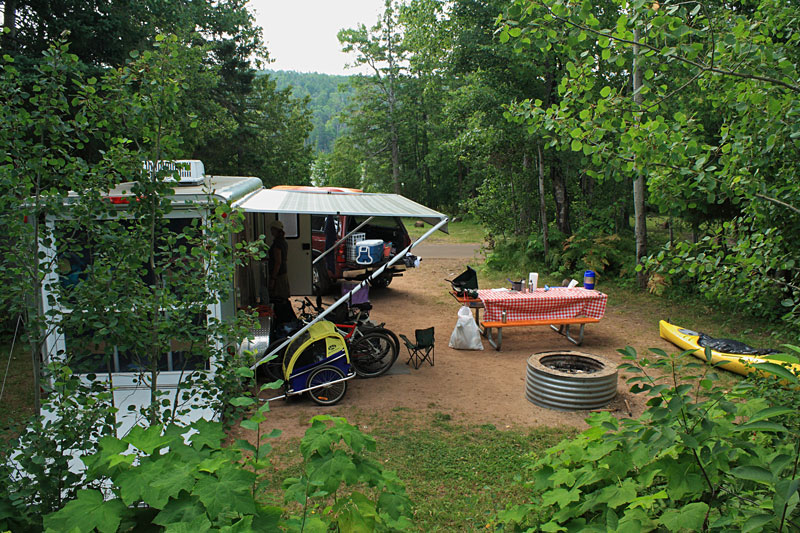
167 477
736 265
36 466
707 128
375 499
164 478
145 286
699 459
492 206
608 255
341 168
41 144
328 96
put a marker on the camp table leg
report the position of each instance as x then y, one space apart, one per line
488 332
563 329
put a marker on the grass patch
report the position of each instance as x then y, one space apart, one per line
461 232
457 476
17 399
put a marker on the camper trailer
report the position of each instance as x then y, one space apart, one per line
193 195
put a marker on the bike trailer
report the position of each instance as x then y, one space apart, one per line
320 345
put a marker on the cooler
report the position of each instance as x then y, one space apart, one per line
369 252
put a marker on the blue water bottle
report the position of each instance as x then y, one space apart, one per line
588 280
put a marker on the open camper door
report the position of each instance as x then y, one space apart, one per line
297 227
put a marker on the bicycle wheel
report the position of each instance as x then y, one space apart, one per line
374 353
325 392
273 369
394 339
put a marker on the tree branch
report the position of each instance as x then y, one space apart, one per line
778 202
704 68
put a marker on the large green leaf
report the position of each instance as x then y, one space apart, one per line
756 522
148 440
777 370
137 484
87 512
753 473
228 491
186 509
688 518
209 434
198 524
770 412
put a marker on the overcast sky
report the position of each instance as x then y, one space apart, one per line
301 34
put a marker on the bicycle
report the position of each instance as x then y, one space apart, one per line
373 348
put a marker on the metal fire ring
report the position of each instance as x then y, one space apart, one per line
570 381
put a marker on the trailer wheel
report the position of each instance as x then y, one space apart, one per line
326 392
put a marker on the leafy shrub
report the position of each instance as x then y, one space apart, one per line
608 255
329 491
523 253
170 478
166 482
35 467
699 459
734 266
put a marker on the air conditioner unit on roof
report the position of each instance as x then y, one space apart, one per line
189 170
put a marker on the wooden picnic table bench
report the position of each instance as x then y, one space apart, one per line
538 308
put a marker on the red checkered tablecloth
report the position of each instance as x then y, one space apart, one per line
553 304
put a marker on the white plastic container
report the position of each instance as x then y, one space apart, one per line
352 241
533 281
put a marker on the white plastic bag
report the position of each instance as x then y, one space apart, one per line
466 335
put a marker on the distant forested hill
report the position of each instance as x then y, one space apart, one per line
326 102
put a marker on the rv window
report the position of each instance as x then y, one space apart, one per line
77 248
85 355
290 224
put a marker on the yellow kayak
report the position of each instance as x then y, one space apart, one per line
689 340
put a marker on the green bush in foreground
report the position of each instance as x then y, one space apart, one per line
699 459
158 481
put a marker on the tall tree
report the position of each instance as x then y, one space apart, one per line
720 96
381 49
240 112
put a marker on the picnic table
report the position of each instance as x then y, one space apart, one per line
557 307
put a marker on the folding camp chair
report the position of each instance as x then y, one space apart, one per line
422 350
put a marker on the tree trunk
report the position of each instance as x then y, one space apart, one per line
542 204
561 197
395 161
460 175
526 205
671 231
426 170
640 228
10 25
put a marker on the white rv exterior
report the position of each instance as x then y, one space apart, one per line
191 199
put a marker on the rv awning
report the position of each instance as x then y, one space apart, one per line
345 203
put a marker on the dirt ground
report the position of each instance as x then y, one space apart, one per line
473 387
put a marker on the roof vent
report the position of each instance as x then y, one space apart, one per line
190 171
